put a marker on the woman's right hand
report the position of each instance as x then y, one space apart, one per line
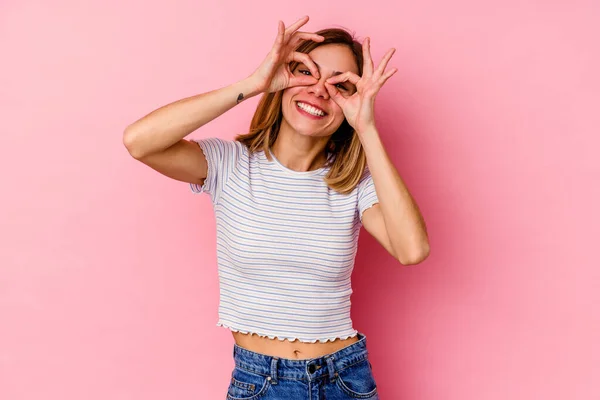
274 73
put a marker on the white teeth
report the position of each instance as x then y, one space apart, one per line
310 109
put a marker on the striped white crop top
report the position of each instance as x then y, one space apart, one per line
286 244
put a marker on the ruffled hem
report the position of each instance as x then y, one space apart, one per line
195 187
289 338
365 209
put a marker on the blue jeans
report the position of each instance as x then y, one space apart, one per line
342 375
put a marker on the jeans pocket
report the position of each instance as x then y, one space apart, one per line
246 385
357 381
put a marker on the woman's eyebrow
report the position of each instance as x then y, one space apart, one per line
334 72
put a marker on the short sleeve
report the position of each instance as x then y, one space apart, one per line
221 156
367 197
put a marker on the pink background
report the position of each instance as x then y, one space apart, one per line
108 282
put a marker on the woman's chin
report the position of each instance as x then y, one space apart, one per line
311 133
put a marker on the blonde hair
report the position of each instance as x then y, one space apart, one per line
348 162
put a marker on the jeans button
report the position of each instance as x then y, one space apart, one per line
311 368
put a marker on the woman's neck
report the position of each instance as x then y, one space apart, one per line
300 152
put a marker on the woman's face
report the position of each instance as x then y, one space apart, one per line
309 110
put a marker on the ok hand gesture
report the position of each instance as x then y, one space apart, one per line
358 108
274 73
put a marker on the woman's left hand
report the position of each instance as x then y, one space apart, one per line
358 108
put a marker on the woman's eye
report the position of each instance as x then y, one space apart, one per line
340 86
304 71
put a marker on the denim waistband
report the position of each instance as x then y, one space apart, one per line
309 369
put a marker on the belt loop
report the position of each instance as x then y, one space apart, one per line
274 370
331 367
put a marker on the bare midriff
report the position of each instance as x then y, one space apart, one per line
295 350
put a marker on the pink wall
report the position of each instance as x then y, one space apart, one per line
108 283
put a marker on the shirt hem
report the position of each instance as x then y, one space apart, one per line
289 338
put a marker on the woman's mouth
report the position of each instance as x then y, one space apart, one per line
309 110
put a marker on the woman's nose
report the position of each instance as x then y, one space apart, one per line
319 89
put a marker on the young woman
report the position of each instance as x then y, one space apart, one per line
290 197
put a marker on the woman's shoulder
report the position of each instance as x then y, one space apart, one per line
228 147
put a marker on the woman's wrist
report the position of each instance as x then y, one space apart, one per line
249 87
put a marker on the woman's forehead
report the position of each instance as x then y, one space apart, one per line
334 57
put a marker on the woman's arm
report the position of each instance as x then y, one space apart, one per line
403 232
166 126
157 139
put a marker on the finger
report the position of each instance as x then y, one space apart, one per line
386 76
306 60
300 36
373 90
367 59
389 74
335 94
279 40
302 80
346 76
384 61
296 25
